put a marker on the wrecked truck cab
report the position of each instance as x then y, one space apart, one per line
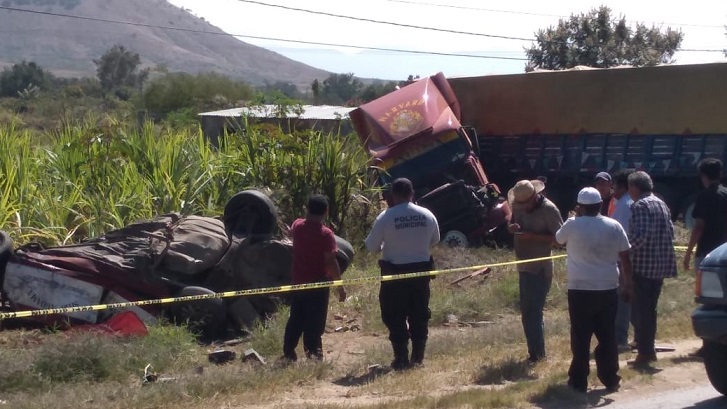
415 132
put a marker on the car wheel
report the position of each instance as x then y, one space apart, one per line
203 317
455 238
715 361
345 253
250 213
6 250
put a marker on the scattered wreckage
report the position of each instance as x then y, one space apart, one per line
169 256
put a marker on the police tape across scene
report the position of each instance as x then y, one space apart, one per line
270 290
260 291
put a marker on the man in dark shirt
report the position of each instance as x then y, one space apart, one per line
604 184
710 213
314 260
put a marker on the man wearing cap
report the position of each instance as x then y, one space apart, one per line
405 234
604 184
594 244
535 219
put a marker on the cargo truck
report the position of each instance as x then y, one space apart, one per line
568 125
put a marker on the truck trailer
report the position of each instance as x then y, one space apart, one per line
569 125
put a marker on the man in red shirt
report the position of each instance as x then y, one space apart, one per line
314 260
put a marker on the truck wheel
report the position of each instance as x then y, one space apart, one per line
250 213
345 253
204 317
455 238
715 361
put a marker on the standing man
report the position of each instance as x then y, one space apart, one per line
651 234
314 260
594 244
405 234
604 184
535 219
710 213
622 214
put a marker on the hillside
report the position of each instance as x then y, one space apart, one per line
68 46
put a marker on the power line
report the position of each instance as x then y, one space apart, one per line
527 13
188 30
391 23
367 20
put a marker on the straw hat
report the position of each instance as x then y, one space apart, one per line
524 190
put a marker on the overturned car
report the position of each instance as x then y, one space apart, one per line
169 256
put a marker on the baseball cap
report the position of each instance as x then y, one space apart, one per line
604 176
589 196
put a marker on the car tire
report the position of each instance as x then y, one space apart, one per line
345 253
455 239
250 213
715 361
203 317
6 251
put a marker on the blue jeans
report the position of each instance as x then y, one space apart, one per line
534 289
623 320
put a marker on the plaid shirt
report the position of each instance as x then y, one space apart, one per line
651 234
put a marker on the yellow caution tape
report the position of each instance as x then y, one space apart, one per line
265 290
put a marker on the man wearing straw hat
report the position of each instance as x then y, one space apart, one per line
535 219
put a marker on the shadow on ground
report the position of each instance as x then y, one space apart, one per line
508 371
563 397
371 374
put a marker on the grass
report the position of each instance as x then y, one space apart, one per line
466 366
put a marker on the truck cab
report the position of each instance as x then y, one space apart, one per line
415 132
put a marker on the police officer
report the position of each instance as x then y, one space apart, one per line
405 234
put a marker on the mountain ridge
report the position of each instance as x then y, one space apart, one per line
68 46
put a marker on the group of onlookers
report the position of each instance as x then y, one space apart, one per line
620 246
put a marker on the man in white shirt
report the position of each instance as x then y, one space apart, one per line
594 244
405 234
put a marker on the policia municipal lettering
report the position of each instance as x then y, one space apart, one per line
405 234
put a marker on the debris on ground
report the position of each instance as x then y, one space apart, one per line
250 355
221 356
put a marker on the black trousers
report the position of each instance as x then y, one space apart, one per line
308 312
643 312
593 313
406 301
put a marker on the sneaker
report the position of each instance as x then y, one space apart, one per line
534 359
400 364
613 388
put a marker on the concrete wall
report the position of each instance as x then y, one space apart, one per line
655 100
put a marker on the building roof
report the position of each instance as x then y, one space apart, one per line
329 112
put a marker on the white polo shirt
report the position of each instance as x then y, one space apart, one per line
405 233
593 245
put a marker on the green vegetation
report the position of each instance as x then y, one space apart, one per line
19 78
91 177
598 39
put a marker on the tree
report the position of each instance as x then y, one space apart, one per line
21 77
339 89
597 39
119 67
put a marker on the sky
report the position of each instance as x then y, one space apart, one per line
701 21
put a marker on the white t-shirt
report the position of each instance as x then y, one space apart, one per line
593 245
622 211
405 233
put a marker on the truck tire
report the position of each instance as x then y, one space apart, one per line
203 317
345 253
6 250
250 213
715 361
